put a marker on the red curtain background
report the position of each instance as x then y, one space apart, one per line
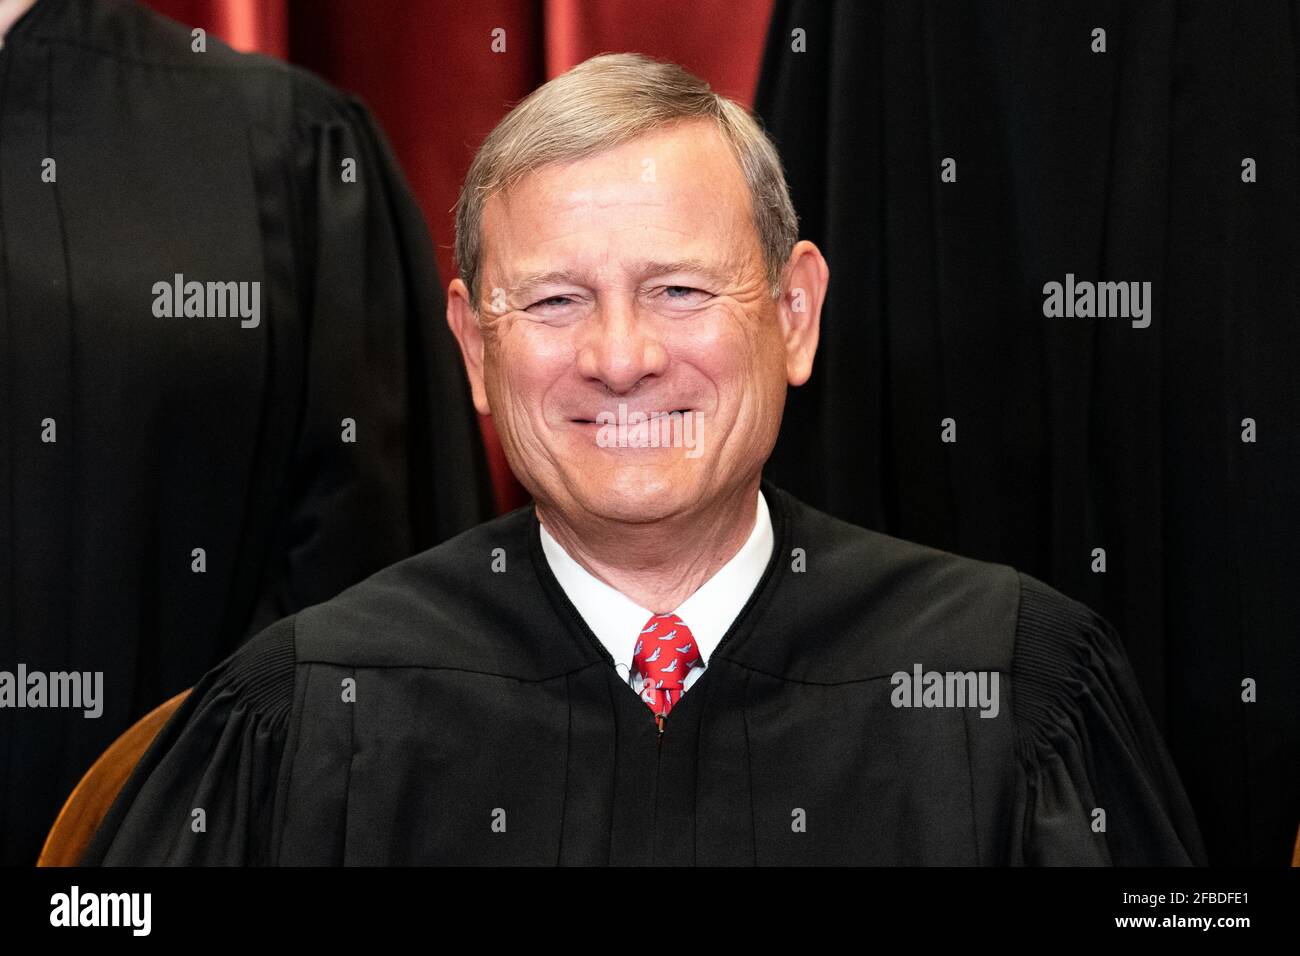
428 72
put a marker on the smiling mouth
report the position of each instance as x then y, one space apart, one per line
650 417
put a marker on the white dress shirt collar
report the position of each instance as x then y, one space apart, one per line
617 620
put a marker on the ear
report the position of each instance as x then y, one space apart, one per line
800 308
463 321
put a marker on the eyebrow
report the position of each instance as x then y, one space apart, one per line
648 267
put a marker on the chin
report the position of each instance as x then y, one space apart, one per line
645 491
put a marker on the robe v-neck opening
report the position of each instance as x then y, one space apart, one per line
736 633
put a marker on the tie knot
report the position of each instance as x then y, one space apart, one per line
665 651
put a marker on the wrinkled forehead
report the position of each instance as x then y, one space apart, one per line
676 193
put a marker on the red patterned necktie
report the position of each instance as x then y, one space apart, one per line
665 652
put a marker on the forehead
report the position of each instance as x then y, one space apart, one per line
676 192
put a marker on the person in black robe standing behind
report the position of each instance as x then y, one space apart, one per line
666 659
225 393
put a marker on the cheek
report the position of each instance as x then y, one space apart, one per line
736 351
525 360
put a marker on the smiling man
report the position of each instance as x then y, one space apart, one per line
665 659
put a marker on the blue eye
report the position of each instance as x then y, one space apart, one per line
683 288
561 299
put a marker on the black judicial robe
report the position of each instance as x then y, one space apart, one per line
183 432
1074 433
443 713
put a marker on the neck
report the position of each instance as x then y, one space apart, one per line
10 11
658 564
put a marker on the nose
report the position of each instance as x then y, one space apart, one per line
620 347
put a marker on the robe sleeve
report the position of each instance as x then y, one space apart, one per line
1086 741
222 752
379 356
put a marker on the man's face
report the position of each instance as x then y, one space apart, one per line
631 278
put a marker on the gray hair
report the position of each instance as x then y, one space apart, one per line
604 102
